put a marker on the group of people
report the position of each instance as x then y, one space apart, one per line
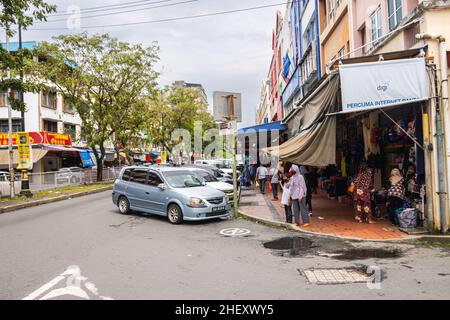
297 185
398 188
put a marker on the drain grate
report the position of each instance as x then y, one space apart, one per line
335 276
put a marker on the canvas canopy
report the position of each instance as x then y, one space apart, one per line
313 142
37 154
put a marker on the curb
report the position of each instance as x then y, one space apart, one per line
51 200
325 235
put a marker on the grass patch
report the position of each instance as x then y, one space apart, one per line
54 193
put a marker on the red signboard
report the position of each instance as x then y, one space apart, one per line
40 138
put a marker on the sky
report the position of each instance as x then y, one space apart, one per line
229 52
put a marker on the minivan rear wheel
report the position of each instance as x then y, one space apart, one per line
124 205
174 214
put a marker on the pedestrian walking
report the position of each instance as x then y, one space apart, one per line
297 192
252 174
261 174
274 174
362 195
286 201
396 194
308 180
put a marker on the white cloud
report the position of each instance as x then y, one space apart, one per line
224 53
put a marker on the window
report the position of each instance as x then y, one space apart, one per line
83 135
341 52
375 25
4 99
71 130
138 176
394 13
153 179
16 125
68 105
331 8
50 126
126 175
48 99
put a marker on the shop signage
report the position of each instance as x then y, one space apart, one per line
292 88
382 84
24 151
39 138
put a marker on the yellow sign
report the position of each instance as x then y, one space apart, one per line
24 150
163 157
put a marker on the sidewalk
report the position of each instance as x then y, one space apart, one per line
330 217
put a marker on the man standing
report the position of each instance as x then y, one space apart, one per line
274 180
261 174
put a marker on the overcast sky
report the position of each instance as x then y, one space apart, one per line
224 53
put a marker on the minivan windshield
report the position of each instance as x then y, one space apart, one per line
183 179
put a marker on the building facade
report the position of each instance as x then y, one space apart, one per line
47 110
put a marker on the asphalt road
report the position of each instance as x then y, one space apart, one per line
145 257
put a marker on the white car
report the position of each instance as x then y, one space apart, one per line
212 181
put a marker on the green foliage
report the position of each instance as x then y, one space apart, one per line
176 108
12 13
105 80
23 12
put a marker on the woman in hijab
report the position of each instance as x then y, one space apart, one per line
297 193
363 185
396 194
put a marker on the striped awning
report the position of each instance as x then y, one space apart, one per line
37 154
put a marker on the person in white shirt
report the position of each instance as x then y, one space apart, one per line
261 174
274 179
286 201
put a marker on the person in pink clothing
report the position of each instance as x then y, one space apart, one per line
297 193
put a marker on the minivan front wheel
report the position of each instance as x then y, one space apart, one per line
174 214
124 205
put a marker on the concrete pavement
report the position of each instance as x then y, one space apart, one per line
140 257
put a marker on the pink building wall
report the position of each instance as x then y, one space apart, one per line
363 9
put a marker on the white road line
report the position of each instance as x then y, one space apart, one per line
44 288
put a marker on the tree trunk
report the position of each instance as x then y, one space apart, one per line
99 158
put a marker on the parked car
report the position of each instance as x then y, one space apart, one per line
221 176
72 175
212 181
174 192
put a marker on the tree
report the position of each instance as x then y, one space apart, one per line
23 13
106 81
176 108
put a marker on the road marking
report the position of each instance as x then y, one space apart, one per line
74 283
234 232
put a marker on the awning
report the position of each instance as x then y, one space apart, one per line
37 154
58 148
272 126
315 141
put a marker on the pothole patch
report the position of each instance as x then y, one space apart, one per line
289 246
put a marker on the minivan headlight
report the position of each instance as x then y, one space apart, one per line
196 203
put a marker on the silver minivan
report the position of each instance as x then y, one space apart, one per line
176 193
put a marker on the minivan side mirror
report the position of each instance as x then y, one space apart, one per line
162 186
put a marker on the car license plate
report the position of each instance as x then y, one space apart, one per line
217 209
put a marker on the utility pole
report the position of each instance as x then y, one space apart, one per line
10 149
22 113
25 179
232 118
